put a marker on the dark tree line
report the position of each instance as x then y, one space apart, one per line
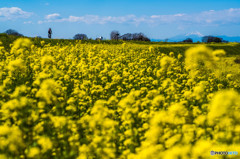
209 39
13 32
115 35
80 37
188 40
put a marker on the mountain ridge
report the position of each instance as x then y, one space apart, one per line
197 36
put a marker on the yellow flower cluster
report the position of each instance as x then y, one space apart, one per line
89 101
200 59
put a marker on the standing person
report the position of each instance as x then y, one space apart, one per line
49 33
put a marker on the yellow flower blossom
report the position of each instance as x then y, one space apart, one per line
45 143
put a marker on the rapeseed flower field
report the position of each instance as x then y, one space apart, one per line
106 101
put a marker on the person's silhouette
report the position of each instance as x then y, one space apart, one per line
49 33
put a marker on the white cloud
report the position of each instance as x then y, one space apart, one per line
53 16
210 17
28 22
13 13
91 19
179 15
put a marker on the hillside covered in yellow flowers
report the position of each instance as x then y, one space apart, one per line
128 100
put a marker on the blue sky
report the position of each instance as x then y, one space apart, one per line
158 19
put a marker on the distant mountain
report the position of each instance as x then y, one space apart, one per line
197 36
156 40
230 38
